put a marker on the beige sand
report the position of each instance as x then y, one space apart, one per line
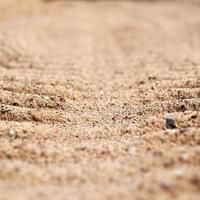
85 89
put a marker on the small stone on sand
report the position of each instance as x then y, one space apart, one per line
12 132
46 97
170 122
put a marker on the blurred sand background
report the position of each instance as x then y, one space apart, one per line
85 89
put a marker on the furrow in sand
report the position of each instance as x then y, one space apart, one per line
170 93
61 91
171 106
35 131
37 101
20 114
180 83
30 100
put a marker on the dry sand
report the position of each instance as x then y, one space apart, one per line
85 89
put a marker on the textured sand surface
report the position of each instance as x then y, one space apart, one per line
85 89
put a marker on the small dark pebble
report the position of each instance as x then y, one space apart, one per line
141 82
170 123
152 78
182 108
194 116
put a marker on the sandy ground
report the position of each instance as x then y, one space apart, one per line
85 89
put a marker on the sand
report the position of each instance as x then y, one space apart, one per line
85 90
